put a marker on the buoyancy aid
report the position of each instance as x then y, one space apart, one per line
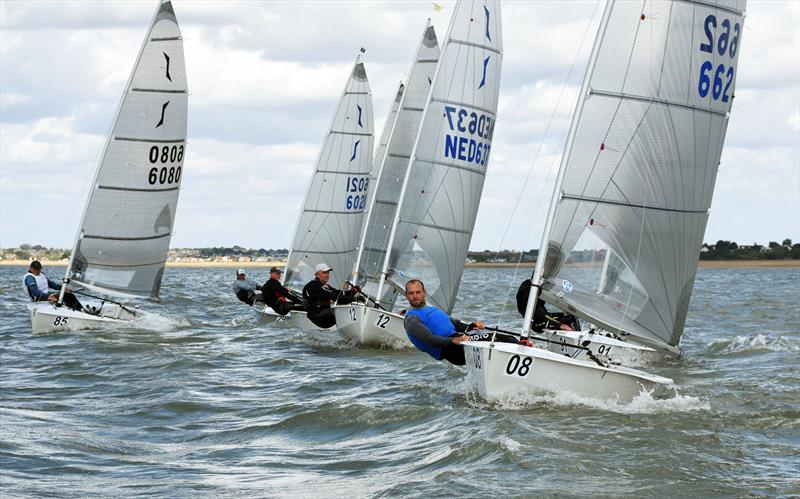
439 324
41 284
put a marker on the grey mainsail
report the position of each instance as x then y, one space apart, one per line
125 231
333 210
638 174
391 171
443 183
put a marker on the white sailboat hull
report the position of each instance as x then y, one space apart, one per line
46 317
296 318
371 326
502 369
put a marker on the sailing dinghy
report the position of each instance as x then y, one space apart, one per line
333 209
121 246
430 183
636 179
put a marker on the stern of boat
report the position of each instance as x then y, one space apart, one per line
371 326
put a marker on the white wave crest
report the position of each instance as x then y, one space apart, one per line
150 321
754 343
644 403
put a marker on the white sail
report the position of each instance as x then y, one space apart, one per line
394 164
638 174
122 244
443 184
333 210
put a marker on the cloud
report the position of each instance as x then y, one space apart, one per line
264 78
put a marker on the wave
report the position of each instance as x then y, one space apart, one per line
754 343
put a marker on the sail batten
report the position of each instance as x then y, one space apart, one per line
127 222
637 177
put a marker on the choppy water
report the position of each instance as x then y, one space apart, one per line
206 401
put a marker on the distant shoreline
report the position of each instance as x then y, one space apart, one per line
708 264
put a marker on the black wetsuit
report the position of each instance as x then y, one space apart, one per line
280 299
453 354
542 319
317 299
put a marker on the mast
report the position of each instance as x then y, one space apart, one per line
363 239
411 159
536 280
66 278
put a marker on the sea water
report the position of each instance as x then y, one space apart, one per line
203 399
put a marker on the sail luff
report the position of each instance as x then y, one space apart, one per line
375 184
333 208
109 137
285 275
537 278
404 187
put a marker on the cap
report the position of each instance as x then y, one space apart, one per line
276 269
240 271
322 267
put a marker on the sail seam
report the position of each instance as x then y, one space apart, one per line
160 141
335 212
159 90
324 252
630 205
360 134
111 238
434 226
97 264
451 165
477 45
712 6
653 100
459 103
136 189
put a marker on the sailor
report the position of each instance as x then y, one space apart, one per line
279 299
246 289
542 318
40 288
433 331
318 296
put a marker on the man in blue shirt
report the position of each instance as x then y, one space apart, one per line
39 287
433 331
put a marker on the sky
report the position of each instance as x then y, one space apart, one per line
264 79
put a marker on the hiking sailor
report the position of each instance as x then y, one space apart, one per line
431 330
318 296
246 289
542 318
40 288
280 299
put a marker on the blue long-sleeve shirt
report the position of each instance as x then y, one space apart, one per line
35 292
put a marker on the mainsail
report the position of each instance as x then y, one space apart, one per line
333 210
447 167
637 177
122 244
393 165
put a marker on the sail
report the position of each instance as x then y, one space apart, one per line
392 169
125 231
450 158
333 210
638 174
